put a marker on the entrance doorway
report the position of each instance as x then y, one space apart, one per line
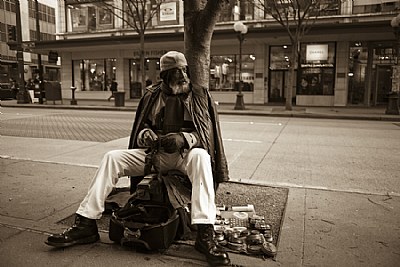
277 85
383 83
152 73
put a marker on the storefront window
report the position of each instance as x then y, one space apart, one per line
51 74
227 11
370 87
384 58
94 75
4 76
373 6
317 65
237 10
247 9
280 57
327 8
105 17
87 17
225 76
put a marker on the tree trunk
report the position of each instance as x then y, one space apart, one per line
198 55
292 76
200 18
142 63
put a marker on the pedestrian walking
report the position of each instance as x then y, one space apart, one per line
113 89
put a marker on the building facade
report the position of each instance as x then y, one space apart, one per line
46 14
345 59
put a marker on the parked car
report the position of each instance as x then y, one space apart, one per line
6 92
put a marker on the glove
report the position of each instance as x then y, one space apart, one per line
147 137
173 142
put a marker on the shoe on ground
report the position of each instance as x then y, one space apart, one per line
84 231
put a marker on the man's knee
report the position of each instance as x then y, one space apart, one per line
199 159
200 154
113 155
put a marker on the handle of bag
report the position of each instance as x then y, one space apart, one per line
132 211
139 225
133 236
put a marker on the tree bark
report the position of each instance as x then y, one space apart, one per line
199 18
142 63
292 76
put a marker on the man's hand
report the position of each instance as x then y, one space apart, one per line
173 142
148 137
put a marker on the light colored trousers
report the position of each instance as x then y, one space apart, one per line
195 163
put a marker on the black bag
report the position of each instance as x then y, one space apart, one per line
147 220
145 225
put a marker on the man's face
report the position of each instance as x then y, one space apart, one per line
179 81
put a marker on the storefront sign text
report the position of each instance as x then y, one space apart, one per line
168 11
317 52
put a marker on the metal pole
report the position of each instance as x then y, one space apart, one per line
73 100
39 56
73 88
240 62
23 95
239 97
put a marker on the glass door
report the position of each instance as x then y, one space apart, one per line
383 83
278 85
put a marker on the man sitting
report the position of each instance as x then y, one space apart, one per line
184 120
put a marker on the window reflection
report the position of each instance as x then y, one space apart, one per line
316 75
280 57
225 76
373 6
79 18
88 17
94 74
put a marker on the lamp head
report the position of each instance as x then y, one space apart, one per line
239 27
395 21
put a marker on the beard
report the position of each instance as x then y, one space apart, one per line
180 87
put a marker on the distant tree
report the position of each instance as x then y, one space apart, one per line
138 15
296 17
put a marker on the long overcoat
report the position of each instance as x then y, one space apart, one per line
204 114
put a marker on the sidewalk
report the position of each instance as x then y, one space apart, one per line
356 224
352 113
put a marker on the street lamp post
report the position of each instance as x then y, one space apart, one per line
393 101
39 56
241 30
23 94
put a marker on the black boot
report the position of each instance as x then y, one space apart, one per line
84 231
205 244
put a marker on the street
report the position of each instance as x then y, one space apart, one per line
343 175
350 156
